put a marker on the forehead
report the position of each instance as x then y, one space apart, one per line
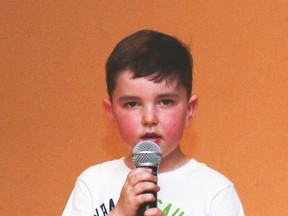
127 84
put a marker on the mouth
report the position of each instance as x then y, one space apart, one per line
151 137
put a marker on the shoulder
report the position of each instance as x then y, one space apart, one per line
221 192
202 169
200 176
208 175
103 169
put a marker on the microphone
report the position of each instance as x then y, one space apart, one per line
147 154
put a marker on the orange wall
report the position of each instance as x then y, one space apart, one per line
52 125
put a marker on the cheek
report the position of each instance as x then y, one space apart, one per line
173 125
127 125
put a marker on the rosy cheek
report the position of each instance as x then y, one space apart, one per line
127 125
171 130
172 125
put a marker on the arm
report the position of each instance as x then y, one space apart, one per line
226 203
80 201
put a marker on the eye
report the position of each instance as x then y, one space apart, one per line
131 104
167 102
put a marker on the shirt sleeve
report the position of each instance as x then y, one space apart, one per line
80 201
226 203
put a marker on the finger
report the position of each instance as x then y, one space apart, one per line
153 212
143 187
141 175
144 198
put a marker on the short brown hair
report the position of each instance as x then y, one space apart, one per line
152 54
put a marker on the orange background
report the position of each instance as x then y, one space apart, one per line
52 84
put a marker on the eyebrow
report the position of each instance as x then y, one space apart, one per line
169 95
132 97
128 97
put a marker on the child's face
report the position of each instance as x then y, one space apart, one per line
145 110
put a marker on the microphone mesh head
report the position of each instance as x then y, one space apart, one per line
146 153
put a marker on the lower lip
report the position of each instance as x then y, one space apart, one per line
155 140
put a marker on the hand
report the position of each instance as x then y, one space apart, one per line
132 194
153 212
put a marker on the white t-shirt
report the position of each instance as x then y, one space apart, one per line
191 190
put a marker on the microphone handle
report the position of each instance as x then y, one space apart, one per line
148 205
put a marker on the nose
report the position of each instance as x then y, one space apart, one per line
150 116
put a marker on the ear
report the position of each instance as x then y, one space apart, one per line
108 108
192 108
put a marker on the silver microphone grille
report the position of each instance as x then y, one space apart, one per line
146 153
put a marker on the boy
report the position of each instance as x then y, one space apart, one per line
149 82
